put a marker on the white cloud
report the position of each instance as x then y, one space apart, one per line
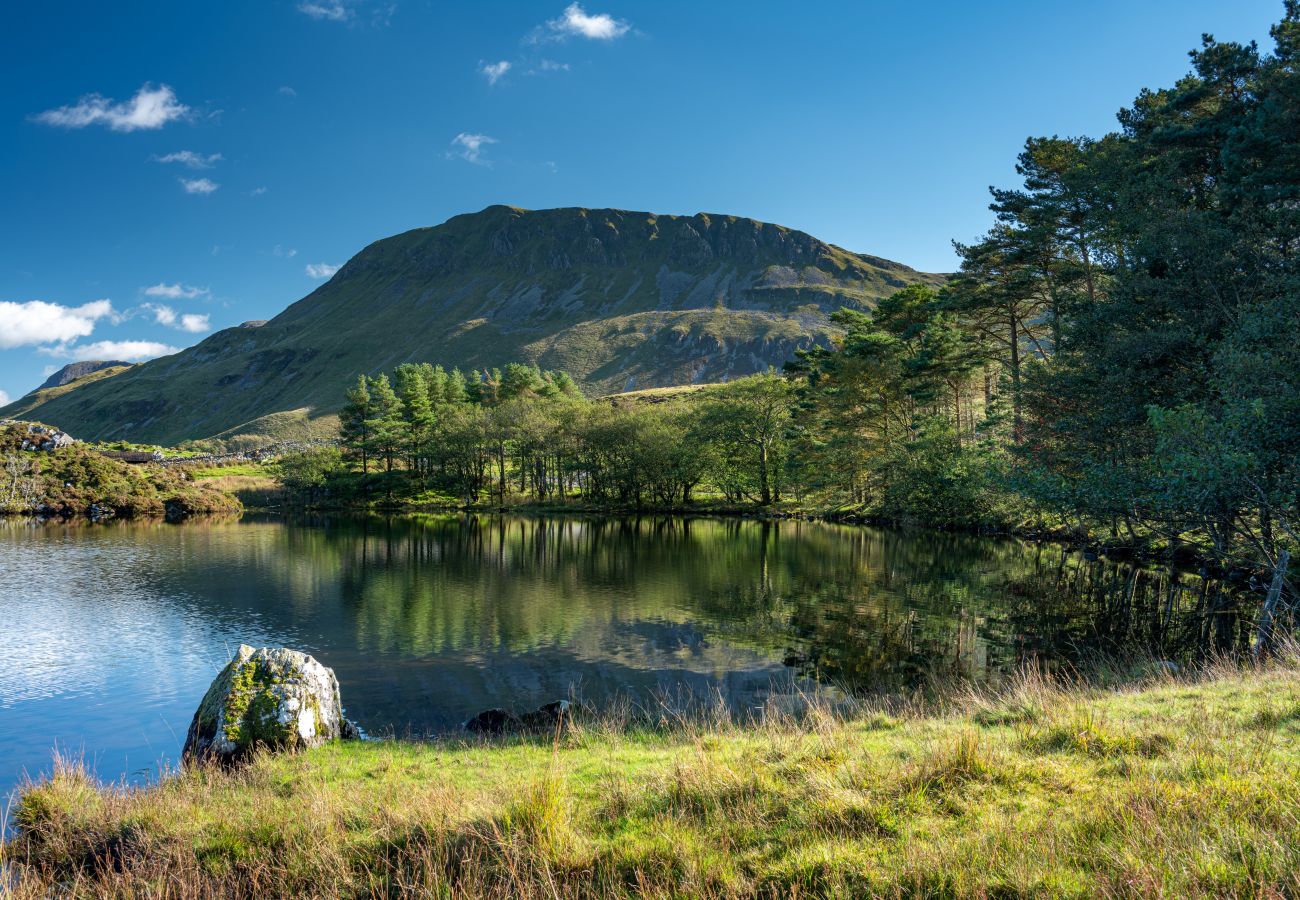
321 270
151 108
198 185
4 398
194 323
175 291
550 65
471 147
286 91
281 251
494 72
575 22
191 159
257 191
328 10
130 351
38 322
163 315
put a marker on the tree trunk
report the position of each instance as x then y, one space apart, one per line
1264 633
1015 376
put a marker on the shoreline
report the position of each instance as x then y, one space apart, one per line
1186 557
1041 787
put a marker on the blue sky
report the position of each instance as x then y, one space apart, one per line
169 169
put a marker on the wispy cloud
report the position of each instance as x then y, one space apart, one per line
198 185
287 253
286 91
328 10
321 270
350 11
191 159
175 291
38 322
494 72
151 108
471 147
130 351
576 22
257 191
550 65
194 323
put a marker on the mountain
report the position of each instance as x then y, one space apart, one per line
72 371
60 383
621 300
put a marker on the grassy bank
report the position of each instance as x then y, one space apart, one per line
1171 787
254 484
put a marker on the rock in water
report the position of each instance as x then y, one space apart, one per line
277 699
547 718
494 721
502 721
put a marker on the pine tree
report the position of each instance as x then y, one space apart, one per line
385 425
353 428
456 389
417 414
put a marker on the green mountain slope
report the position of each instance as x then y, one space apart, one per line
621 300
55 387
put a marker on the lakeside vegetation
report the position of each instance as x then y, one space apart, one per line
1173 786
78 481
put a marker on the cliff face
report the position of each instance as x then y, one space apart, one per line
619 299
72 371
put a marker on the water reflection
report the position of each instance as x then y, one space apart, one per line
109 635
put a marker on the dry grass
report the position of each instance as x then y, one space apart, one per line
254 491
1176 786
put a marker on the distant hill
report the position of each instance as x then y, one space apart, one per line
621 300
73 375
72 371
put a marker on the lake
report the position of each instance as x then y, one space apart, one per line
109 635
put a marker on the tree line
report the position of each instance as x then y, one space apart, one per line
521 432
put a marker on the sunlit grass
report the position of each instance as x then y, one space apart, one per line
1176 786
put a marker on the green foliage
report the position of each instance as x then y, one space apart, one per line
1138 293
79 481
745 426
891 422
307 476
933 480
525 432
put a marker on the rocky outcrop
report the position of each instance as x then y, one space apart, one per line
545 718
44 438
72 371
273 699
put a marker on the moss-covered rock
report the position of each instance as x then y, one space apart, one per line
275 699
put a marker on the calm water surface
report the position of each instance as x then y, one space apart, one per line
109 635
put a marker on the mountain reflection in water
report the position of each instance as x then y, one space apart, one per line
111 634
